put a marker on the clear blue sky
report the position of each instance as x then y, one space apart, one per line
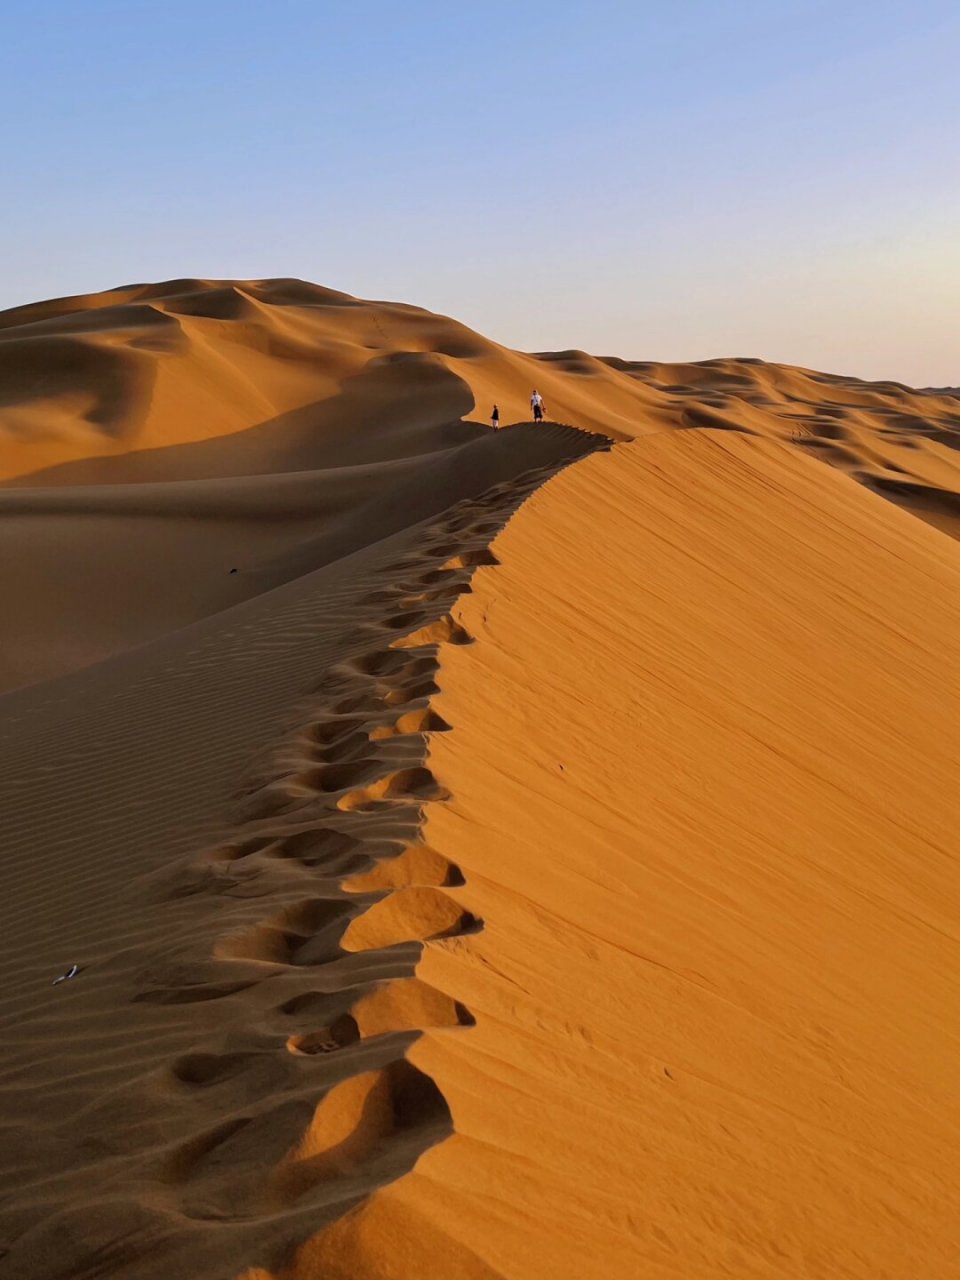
776 178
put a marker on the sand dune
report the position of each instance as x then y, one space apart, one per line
282 408
454 898
194 379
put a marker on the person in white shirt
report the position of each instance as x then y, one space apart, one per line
537 405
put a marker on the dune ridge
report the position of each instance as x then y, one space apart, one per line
491 855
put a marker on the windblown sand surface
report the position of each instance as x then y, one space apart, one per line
454 900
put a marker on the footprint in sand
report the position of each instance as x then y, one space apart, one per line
307 933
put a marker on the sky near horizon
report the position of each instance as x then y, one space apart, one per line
772 178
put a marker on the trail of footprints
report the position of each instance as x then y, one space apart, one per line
328 835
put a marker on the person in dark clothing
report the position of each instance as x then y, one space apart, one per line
495 418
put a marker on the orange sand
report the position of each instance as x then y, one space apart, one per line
452 901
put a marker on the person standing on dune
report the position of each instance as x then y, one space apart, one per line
537 405
495 418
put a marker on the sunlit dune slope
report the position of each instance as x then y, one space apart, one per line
701 775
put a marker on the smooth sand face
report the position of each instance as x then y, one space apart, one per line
575 898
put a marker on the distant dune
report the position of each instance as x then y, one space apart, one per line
282 409
115 381
506 855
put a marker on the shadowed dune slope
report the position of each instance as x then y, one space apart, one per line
91 571
222 830
701 772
